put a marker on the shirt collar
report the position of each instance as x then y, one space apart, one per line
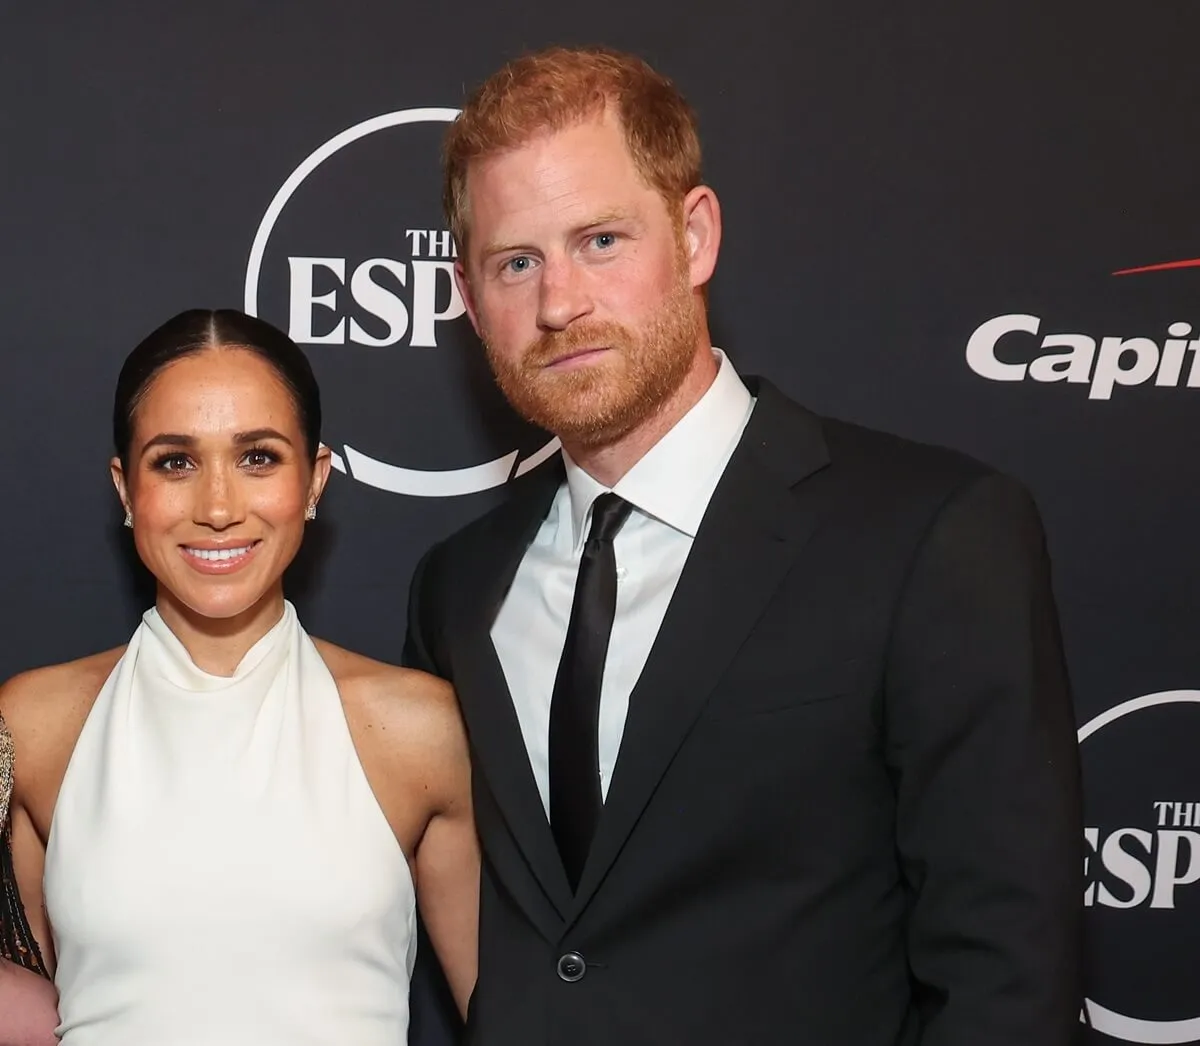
674 481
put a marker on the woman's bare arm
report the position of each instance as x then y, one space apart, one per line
413 747
45 710
447 858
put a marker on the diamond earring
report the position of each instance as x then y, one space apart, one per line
310 513
129 519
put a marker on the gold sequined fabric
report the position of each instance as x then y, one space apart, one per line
17 943
6 771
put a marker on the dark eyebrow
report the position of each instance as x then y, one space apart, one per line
258 435
178 439
169 439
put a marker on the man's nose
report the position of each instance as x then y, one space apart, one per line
563 295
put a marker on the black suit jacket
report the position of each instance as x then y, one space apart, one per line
846 808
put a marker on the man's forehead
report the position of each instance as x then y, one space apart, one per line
601 125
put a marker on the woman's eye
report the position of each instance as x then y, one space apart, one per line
174 463
258 459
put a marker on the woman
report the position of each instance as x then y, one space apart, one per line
27 1000
232 821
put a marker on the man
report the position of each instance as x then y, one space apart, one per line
773 739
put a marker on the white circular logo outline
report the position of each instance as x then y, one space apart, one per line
429 483
1100 1018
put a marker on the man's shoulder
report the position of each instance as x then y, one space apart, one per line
888 470
520 494
858 448
878 454
891 490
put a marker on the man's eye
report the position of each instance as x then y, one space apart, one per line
604 239
519 264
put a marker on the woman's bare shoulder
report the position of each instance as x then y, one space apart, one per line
380 678
45 709
388 694
407 724
40 698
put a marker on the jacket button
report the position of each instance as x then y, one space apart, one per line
571 967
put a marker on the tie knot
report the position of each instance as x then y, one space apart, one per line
609 511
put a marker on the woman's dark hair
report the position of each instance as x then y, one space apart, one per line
199 329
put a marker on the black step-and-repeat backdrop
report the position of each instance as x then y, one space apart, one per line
975 224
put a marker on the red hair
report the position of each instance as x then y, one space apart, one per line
544 92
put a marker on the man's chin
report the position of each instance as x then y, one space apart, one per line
585 422
567 400
597 403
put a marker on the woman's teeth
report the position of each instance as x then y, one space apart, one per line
218 553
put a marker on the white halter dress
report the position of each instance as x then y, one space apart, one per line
219 872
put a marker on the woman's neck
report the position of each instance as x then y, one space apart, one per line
217 645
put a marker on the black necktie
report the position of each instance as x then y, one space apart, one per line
575 799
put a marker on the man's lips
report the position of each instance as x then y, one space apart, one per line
577 357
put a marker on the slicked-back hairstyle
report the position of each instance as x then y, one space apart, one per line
195 331
546 91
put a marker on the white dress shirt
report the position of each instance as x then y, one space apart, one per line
669 488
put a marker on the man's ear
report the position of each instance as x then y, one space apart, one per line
701 233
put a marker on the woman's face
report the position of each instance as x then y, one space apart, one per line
218 481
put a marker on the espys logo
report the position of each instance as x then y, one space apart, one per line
1000 349
350 258
1143 844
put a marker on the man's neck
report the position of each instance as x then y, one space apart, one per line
607 463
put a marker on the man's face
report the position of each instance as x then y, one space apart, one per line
579 281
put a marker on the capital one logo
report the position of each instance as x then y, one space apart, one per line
365 276
1143 864
1016 347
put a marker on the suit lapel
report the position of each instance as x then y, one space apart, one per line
483 690
751 533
